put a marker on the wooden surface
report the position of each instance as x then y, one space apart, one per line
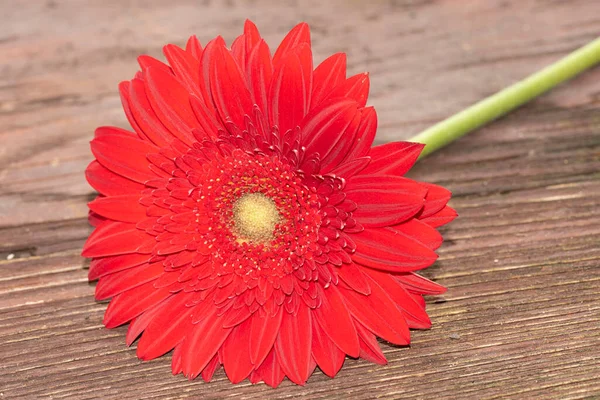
521 318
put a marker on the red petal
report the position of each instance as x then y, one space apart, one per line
290 89
121 281
415 315
124 239
126 208
108 183
146 62
325 126
95 219
418 284
134 93
418 299
238 50
335 320
107 131
293 344
328 75
171 102
270 371
299 35
194 47
436 199
185 67
365 135
206 64
124 88
228 88
139 323
124 155
421 232
369 347
340 150
356 87
211 367
393 158
251 35
236 357
389 250
352 275
263 331
176 361
202 343
384 200
440 218
168 327
107 265
327 355
260 73
234 317
108 228
350 168
131 303
379 314
209 122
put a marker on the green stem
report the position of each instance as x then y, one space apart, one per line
487 110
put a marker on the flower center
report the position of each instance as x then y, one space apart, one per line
255 216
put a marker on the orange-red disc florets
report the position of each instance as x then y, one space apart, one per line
294 235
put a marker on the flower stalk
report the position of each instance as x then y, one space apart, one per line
495 106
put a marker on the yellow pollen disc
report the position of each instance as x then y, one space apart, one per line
255 216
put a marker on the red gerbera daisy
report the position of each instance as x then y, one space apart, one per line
248 222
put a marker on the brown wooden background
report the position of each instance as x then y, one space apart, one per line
521 318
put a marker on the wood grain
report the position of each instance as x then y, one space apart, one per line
521 318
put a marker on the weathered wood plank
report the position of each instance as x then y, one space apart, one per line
521 318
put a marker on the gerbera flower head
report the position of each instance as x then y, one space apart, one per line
247 222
